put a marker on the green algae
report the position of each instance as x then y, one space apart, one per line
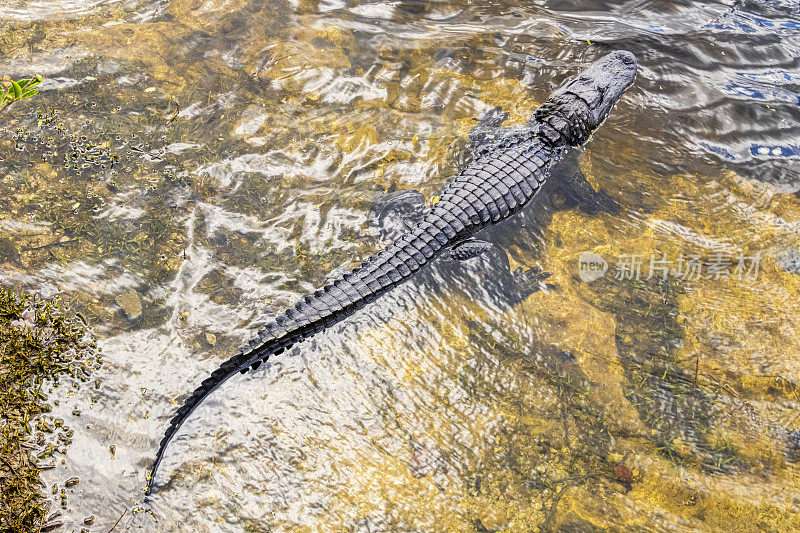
40 345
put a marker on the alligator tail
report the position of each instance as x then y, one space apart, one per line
336 301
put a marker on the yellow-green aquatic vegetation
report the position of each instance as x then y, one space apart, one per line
15 91
39 344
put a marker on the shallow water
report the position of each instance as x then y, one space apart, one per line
191 167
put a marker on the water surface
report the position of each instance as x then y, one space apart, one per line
192 167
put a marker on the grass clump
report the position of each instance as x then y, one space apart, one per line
39 344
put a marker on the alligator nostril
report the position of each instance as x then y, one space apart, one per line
627 58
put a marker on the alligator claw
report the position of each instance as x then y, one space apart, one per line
533 279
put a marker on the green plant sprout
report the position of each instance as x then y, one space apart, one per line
19 90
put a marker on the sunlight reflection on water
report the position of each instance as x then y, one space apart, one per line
208 167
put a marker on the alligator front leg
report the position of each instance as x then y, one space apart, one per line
572 183
488 129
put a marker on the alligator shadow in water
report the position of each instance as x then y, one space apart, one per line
489 278
668 400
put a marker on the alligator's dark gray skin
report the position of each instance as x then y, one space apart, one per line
508 169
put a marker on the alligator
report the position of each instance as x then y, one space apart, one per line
508 168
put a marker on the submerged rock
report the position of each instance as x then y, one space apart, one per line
789 260
131 303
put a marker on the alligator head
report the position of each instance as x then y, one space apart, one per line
579 107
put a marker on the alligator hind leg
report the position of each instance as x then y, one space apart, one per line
469 249
570 181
